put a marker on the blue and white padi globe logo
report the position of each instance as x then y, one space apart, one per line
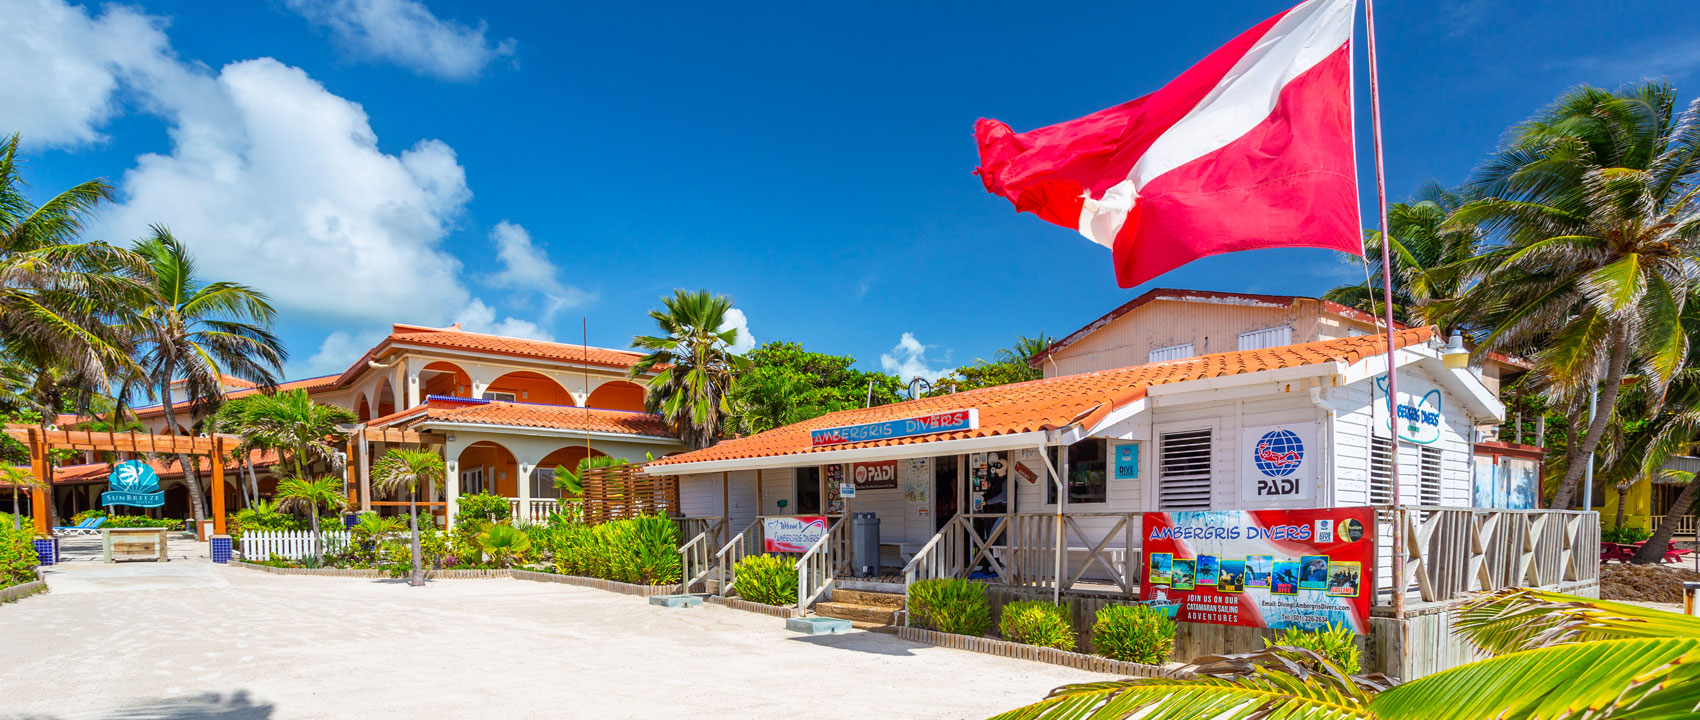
133 483
1279 453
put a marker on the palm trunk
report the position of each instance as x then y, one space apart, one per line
191 471
318 540
413 523
1622 499
253 480
1617 365
1654 549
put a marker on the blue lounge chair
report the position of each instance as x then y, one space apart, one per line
90 526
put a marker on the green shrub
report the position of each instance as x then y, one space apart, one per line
1626 534
78 518
641 550
951 606
17 555
1133 633
141 521
767 579
1337 643
482 506
1035 622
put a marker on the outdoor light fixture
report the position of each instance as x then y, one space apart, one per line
1456 357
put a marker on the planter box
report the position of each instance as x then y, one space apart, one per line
599 583
778 611
46 550
24 590
1005 648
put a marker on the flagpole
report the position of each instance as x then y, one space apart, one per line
1387 309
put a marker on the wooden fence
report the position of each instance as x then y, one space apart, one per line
1451 552
623 491
291 544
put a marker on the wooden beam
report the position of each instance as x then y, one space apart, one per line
119 442
410 437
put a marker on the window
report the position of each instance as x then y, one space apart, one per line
808 491
1266 338
1172 352
499 396
1087 471
543 484
1183 472
472 481
1428 473
1380 471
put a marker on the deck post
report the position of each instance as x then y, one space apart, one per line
39 496
216 459
365 471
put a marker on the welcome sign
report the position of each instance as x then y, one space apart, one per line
133 483
795 534
944 422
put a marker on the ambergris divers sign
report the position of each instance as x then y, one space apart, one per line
133 483
951 421
1419 417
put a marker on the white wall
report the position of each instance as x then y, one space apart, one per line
1353 426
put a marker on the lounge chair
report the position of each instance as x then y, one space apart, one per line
90 526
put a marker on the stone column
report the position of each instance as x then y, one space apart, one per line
524 484
413 397
451 486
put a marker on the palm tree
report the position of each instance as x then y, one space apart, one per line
414 469
19 478
1553 656
1593 213
1021 354
298 493
233 418
193 332
290 422
1425 252
44 388
694 365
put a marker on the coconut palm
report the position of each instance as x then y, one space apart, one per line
44 388
1592 210
191 332
233 418
571 482
694 365
295 494
413 469
1425 254
1552 656
20 479
302 431
1021 354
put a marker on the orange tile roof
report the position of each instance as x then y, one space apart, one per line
454 338
1049 403
552 417
309 384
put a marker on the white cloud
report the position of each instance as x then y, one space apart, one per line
480 318
908 360
525 266
337 352
64 67
735 319
405 32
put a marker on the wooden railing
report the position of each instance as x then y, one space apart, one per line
820 565
1684 525
747 542
714 527
1022 550
696 555
1450 552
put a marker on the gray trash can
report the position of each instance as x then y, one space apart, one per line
865 544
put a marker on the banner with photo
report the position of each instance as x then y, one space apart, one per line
1263 568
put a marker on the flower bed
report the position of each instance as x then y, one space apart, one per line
597 583
1005 648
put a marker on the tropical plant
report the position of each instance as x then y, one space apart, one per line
1336 642
1594 223
19 479
1624 534
1425 254
642 550
233 418
505 544
950 605
1552 656
17 556
693 364
413 470
371 527
482 507
1022 353
1036 622
571 482
764 398
1133 633
295 494
261 515
300 429
766 579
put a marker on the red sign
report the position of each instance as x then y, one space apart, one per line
874 475
1263 568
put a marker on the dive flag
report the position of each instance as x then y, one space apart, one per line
1250 148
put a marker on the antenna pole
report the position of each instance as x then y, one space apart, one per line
1399 520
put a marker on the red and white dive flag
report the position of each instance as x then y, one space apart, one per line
1250 148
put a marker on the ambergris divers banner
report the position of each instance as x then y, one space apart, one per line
950 421
793 534
1263 568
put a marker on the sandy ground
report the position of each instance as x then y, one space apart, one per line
189 639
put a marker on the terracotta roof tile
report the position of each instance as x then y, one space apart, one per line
456 339
1049 403
308 384
552 417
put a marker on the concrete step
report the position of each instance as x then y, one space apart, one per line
871 599
856 613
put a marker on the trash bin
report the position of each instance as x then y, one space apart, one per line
865 544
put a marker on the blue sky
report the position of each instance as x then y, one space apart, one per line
520 166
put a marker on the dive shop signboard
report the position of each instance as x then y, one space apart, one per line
950 421
1278 464
874 475
1263 568
794 534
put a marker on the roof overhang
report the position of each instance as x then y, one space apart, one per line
1009 441
441 427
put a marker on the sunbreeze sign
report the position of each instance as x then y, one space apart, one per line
952 421
133 483
795 534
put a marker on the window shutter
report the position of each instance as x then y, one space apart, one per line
1381 471
1183 479
1429 474
1172 352
1266 338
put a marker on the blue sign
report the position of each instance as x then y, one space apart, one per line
1127 462
133 483
908 427
1279 453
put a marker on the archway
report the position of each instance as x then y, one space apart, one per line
386 398
528 387
543 478
445 379
488 467
617 395
362 408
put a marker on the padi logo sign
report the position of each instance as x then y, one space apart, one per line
1417 421
133 483
1277 463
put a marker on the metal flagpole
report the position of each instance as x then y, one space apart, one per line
1387 308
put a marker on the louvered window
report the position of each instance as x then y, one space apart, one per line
1429 474
1266 338
1183 480
1380 471
1172 352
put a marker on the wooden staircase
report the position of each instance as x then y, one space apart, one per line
864 609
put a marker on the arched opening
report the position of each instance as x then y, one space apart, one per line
445 379
617 395
488 467
543 478
362 408
386 398
528 387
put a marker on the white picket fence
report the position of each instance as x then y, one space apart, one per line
290 544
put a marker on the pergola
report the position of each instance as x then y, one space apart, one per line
40 441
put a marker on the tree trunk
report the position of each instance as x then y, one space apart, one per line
1622 499
1654 549
417 578
17 523
191 471
318 540
1615 368
253 480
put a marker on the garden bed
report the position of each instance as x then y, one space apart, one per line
373 573
597 583
23 590
779 611
1005 648
1644 583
